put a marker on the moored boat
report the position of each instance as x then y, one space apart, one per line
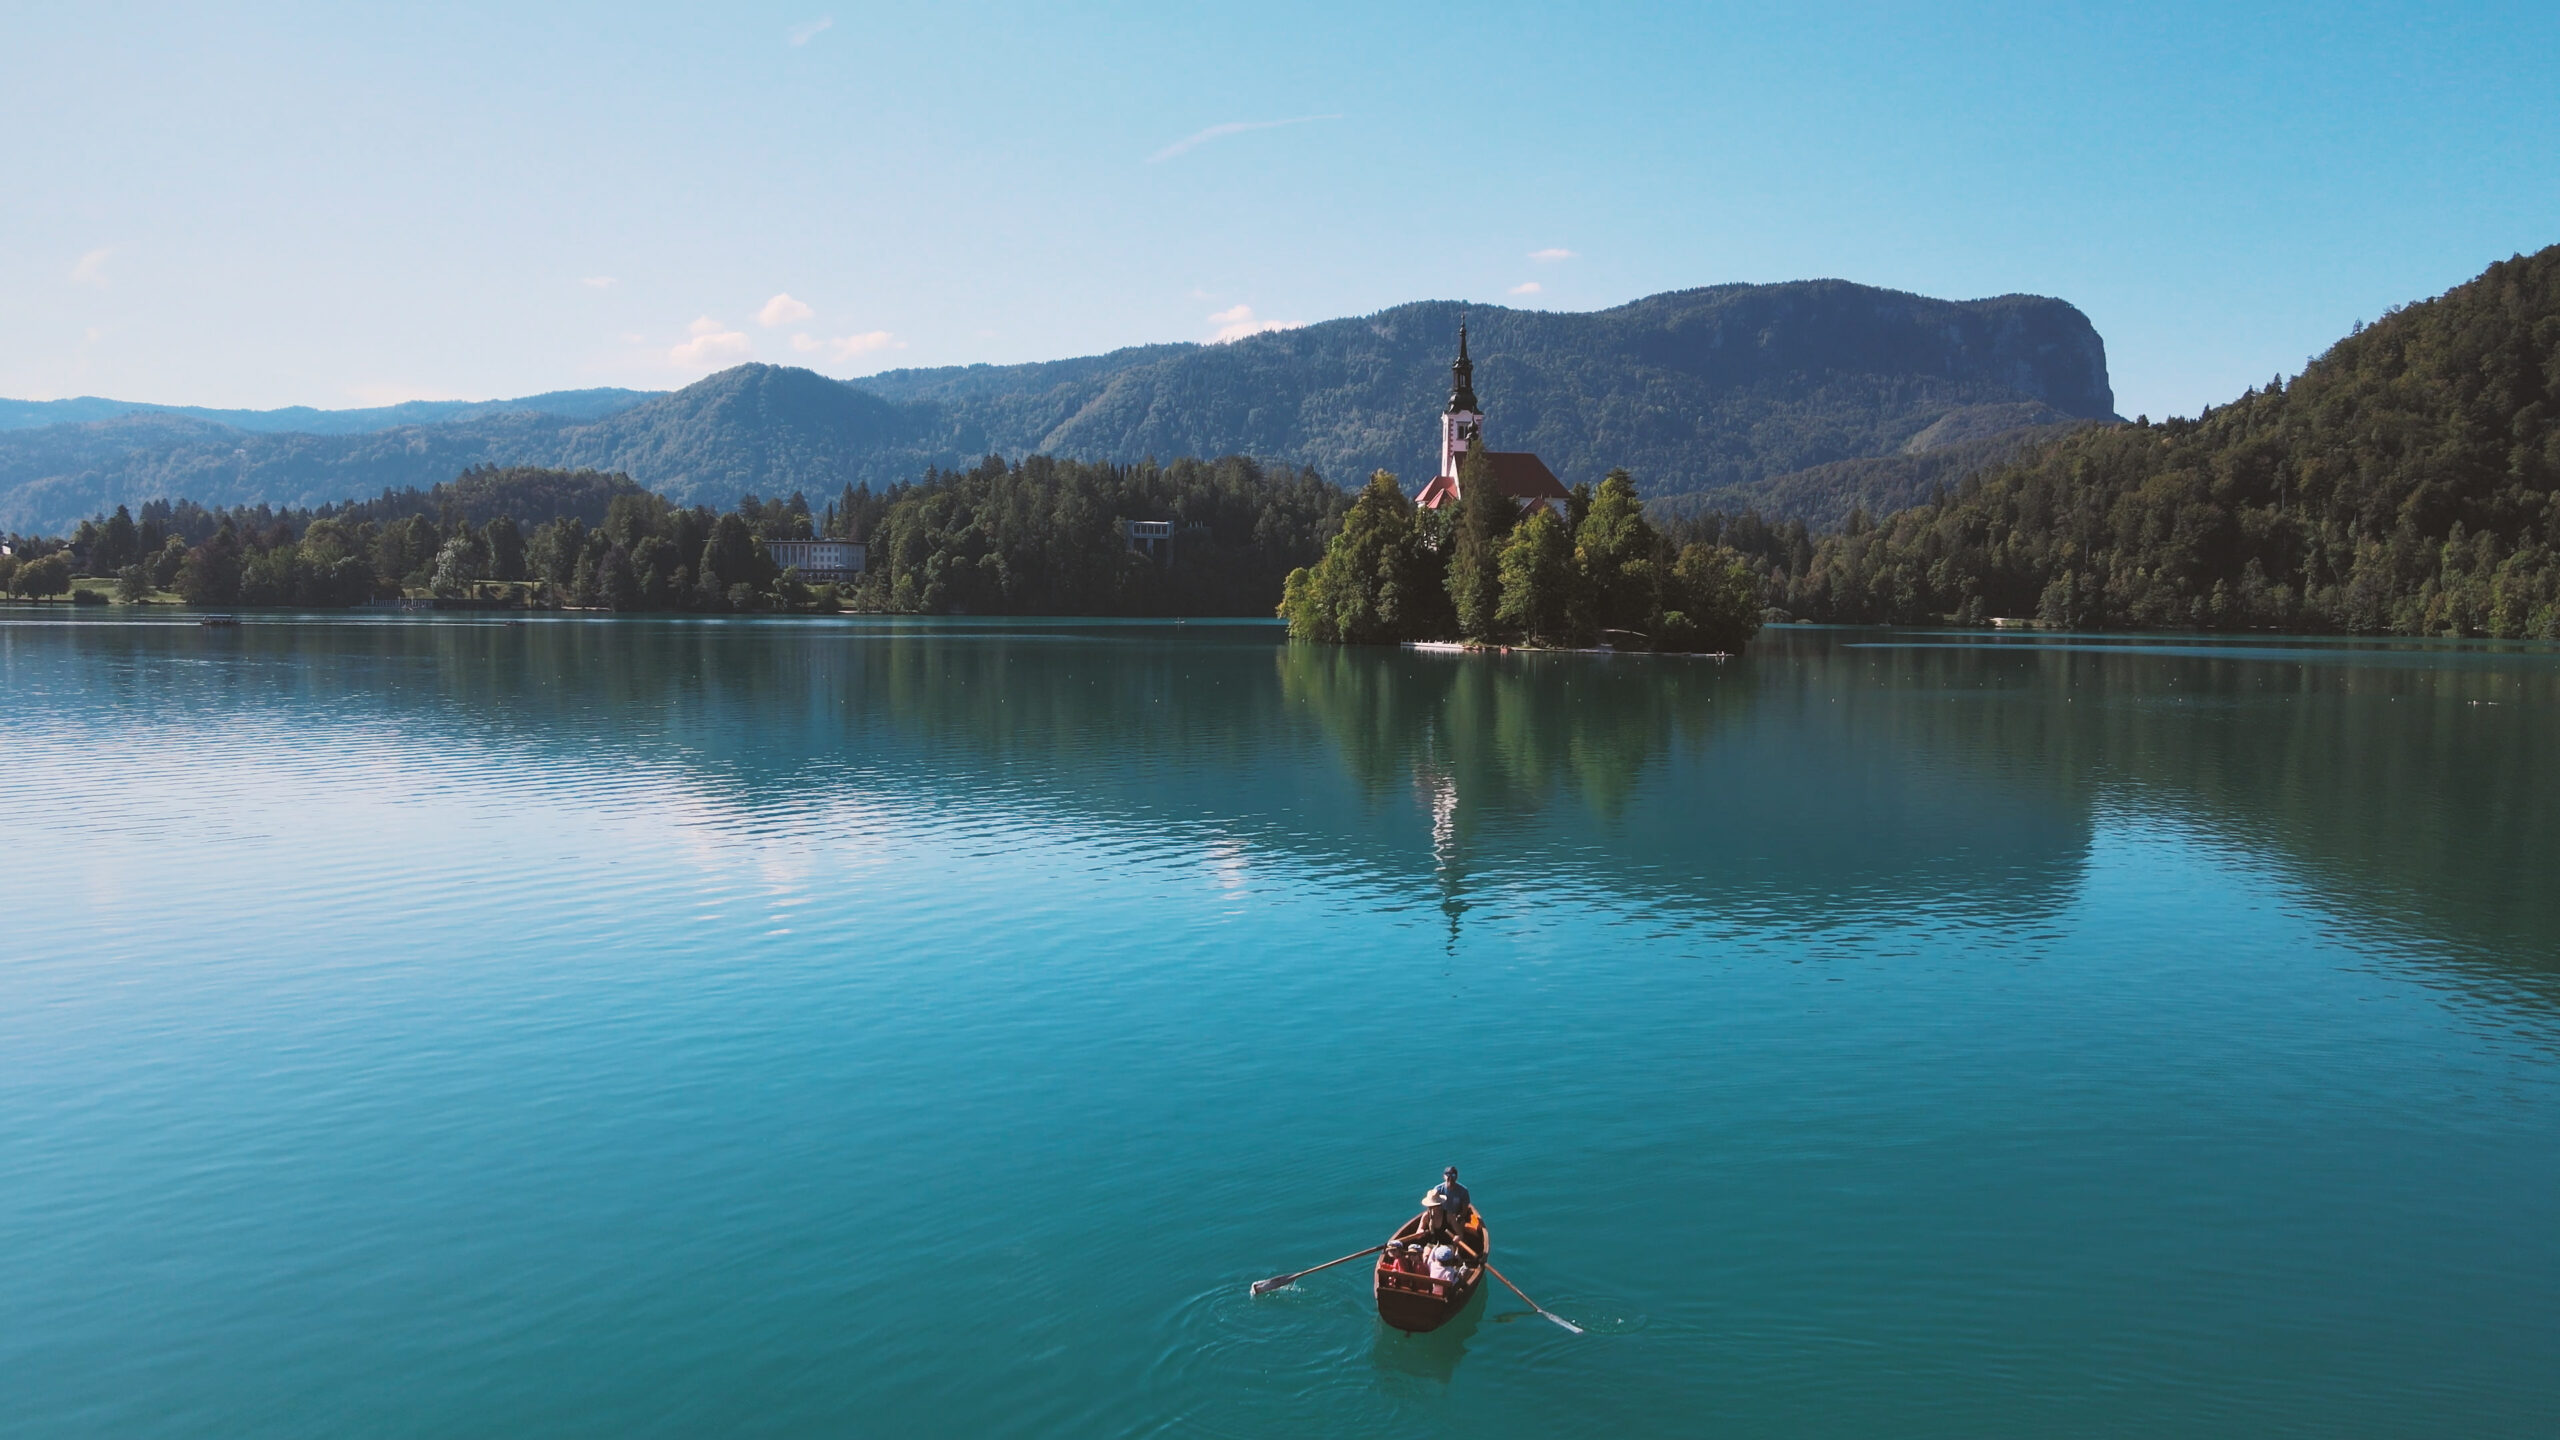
1410 1297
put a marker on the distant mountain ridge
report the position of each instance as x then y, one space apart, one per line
305 420
1711 390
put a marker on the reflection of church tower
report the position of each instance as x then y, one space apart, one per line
1462 425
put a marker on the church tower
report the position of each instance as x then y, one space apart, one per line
1462 425
1517 474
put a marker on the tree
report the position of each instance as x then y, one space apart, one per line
1718 600
117 545
49 575
1375 582
460 563
506 548
732 557
210 575
1485 518
617 584
1618 554
133 585
1538 580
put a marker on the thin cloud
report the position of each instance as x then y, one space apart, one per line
783 310
712 344
1553 254
1527 287
808 30
91 270
1232 127
598 282
1238 321
845 347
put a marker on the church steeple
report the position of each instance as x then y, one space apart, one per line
1462 379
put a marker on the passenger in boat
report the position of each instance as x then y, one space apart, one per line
1444 1223
1445 1264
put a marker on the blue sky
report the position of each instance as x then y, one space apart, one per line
337 205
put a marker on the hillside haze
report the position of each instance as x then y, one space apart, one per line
1699 392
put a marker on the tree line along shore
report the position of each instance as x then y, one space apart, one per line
2406 482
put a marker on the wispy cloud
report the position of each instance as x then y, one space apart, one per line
1527 287
1238 321
844 347
1553 254
1232 127
783 310
598 282
808 30
712 344
91 270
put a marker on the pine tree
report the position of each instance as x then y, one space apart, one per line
1485 519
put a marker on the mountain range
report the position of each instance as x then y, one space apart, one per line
1729 396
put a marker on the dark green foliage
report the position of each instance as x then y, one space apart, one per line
211 572
1540 586
1379 581
43 576
118 544
1711 600
164 563
1046 537
1485 518
1619 555
1597 572
2407 482
1823 496
506 548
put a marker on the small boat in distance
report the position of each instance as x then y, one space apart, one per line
1410 1296
212 622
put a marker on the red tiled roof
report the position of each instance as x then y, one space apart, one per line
1524 476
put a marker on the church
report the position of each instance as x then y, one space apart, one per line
1517 473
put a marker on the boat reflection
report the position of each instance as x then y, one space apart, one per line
1430 1357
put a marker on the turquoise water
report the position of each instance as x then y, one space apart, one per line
798 1028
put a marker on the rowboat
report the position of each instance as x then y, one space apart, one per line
1411 1300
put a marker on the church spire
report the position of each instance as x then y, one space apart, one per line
1462 378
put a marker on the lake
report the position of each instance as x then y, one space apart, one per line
580 1027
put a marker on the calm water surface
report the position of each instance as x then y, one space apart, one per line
422 1028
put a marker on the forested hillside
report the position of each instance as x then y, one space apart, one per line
1697 390
2408 481
1040 537
1688 390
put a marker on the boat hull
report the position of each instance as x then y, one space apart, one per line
1418 1304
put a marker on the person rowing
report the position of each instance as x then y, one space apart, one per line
1448 1217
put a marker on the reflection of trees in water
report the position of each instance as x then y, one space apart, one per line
1480 741
1828 776
1507 733
2415 785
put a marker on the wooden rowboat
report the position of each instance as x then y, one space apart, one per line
1414 1302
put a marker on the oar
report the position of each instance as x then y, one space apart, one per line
1534 1305
1265 1287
